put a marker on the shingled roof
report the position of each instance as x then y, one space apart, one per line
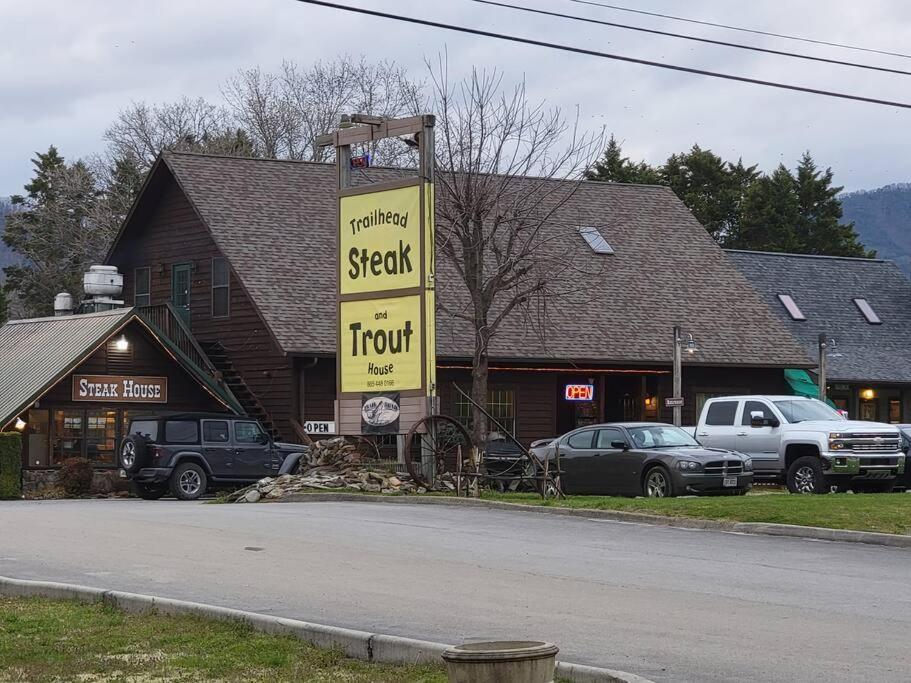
274 220
824 289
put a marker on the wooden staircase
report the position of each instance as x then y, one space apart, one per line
232 378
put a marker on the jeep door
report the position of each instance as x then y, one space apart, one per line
252 451
217 448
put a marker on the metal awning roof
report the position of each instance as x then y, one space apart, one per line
36 353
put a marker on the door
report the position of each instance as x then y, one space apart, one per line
180 289
760 443
720 430
252 451
576 455
615 470
217 448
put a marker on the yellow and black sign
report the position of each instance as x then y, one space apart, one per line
380 241
381 344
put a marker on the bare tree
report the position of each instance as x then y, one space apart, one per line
141 130
505 169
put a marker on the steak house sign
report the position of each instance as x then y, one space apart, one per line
120 389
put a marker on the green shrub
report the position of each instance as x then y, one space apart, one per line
75 476
10 465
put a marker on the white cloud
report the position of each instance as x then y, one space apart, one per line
66 68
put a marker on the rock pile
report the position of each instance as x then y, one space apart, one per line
332 464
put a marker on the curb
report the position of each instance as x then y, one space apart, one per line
370 647
756 528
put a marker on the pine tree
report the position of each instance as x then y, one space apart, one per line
4 306
770 213
58 230
711 188
818 228
613 167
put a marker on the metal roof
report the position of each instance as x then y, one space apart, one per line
35 353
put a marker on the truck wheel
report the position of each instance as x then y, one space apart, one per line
806 476
188 481
148 491
657 483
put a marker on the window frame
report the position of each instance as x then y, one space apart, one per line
595 240
732 423
792 308
497 397
148 292
206 423
238 442
226 286
866 310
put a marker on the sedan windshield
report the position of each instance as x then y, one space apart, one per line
804 410
661 436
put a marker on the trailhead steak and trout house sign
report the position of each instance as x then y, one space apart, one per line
386 370
120 389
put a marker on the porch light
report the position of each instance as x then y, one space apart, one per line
20 424
867 394
649 401
690 344
122 344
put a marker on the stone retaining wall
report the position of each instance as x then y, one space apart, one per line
38 483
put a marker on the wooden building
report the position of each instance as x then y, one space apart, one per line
71 384
244 249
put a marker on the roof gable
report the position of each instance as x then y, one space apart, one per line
824 289
275 221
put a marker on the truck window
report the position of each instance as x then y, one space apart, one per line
721 414
181 431
751 407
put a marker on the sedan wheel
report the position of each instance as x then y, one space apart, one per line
657 483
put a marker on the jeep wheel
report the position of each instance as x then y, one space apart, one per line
806 476
148 491
188 481
133 453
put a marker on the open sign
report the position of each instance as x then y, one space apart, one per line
579 392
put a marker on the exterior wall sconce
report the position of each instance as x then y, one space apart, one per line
20 424
122 344
649 401
867 394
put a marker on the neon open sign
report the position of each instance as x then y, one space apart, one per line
579 392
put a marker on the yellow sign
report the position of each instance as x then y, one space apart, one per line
380 241
380 344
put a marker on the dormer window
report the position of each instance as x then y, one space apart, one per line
868 311
595 240
791 307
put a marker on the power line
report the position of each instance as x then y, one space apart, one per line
744 30
693 38
605 55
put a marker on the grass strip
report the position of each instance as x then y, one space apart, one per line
45 640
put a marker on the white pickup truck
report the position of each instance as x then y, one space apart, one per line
804 442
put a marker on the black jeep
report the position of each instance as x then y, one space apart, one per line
188 454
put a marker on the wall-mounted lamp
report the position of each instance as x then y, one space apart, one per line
867 394
649 401
122 344
690 344
20 424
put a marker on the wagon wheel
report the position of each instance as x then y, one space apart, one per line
432 447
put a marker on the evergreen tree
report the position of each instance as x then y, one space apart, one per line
711 188
818 228
4 306
770 212
59 229
613 167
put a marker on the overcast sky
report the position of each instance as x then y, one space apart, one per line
66 68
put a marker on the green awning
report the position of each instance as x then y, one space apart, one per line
803 385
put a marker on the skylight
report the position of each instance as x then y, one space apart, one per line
595 240
868 312
791 307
